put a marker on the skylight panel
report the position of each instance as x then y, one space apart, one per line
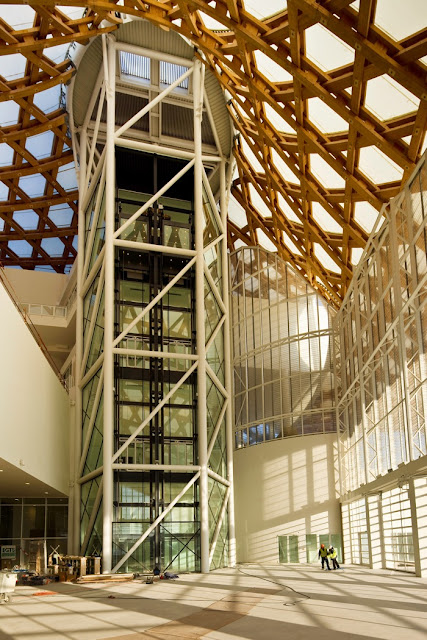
258 203
388 99
325 118
4 192
365 215
48 100
324 219
61 215
356 254
325 49
18 17
13 65
40 146
283 169
400 19
276 120
290 244
22 248
67 177
325 259
134 67
9 113
265 241
286 209
27 219
265 8
211 23
6 155
378 167
33 186
326 175
236 213
53 246
251 157
270 69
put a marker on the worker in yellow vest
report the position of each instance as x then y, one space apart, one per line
323 555
332 554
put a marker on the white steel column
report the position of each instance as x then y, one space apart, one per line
228 376
107 523
76 493
200 318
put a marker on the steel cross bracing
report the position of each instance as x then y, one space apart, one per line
288 214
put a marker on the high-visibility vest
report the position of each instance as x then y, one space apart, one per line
323 552
333 554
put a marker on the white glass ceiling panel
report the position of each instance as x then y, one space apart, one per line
365 215
19 17
211 23
286 209
324 219
13 65
401 19
58 53
324 118
378 167
6 154
265 241
33 186
271 69
27 219
324 258
283 168
356 254
1 224
61 215
75 242
21 247
251 156
48 100
327 176
4 192
9 112
236 213
291 245
67 177
53 246
258 203
325 49
276 120
40 146
265 8
388 99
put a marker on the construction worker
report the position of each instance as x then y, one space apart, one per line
332 554
323 554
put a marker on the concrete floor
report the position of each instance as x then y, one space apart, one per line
299 602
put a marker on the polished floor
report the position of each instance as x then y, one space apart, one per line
250 602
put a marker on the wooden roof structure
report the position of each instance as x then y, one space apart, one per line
275 88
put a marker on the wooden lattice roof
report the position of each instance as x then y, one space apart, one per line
313 130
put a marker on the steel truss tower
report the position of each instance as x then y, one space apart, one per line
153 468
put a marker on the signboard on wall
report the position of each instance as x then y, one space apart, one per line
8 552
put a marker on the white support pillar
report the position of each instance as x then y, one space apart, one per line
200 318
374 520
228 375
108 444
76 492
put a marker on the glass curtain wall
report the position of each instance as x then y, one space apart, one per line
282 343
382 328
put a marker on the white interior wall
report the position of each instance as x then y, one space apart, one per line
34 407
37 287
285 487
